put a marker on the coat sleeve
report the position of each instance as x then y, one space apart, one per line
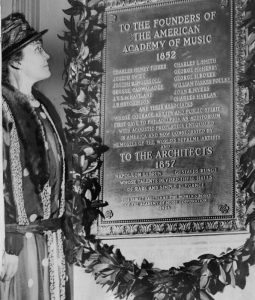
13 241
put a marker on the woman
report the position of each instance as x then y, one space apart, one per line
34 265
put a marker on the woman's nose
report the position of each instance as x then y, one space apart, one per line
47 56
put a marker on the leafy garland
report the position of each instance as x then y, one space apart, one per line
196 279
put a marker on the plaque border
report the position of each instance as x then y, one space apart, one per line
225 224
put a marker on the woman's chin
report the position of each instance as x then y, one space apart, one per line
47 74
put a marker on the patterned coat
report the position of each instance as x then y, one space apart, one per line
34 183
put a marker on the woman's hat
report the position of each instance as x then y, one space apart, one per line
17 34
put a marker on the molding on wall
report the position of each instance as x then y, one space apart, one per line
30 8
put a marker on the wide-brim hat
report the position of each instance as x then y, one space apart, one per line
17 34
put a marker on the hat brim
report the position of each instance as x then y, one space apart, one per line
8 52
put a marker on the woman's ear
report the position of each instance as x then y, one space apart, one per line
15 65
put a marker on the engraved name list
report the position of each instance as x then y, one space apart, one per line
168 113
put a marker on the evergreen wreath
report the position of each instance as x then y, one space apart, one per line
196 279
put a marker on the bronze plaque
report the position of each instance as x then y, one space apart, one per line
169 119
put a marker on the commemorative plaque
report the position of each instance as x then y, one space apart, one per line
168 117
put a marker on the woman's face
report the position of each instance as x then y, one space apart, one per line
34 63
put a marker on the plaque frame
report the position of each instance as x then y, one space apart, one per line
225 224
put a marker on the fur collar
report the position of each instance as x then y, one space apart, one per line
30 132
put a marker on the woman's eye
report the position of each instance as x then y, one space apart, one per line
39 49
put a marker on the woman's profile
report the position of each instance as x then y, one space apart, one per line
34 264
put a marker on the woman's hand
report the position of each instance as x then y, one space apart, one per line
10 266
